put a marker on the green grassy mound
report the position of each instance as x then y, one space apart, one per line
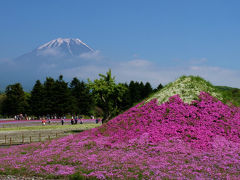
188 88
230 94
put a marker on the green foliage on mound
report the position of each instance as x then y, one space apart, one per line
188 88
231 94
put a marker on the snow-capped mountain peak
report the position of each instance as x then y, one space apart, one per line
69 46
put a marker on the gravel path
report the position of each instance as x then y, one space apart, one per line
10 177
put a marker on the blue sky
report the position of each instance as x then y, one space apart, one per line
166 38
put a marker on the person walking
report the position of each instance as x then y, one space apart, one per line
43 121
72 122
76 119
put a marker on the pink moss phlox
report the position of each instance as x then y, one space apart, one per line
196 123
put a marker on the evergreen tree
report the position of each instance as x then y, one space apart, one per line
141 89
27 106
134 92
82 98
125 103
160 86
2 99
37 99
63 100
49 99
15 102
147 90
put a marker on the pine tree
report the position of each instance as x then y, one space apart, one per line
141 89
82 97
160 86
135 92
147 90
2 99
15 102
49 99
62 97
126 99
37 99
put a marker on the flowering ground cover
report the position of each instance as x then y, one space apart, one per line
173 140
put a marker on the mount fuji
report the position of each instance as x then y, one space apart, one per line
48 60
58 48
70 46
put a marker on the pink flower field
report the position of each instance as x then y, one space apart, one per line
174 140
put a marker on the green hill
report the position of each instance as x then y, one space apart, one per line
231 94
188 87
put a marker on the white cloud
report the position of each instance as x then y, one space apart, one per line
50 52
47 66
139 63
217 75
144 70
85 72
91 55
6 61
198 61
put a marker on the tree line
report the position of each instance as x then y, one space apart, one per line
102 97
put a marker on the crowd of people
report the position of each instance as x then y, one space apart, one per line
74 120
48 119
22 117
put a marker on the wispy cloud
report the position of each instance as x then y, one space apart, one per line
95 55
138 63
136 69
144 70
46 66
50 52
85 71
217 75
6 61
198 60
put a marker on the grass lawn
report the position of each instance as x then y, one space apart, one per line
50 127
27 134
